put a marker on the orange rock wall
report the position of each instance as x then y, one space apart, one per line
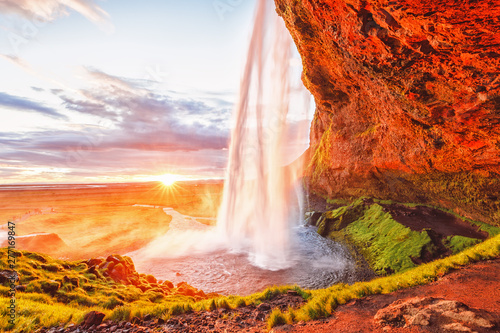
408 99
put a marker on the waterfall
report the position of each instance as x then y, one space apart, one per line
256 215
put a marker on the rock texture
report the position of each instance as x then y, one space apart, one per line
122 270
441 315
408 99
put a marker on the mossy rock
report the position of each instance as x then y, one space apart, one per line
50 287
340 218
150 279
386 244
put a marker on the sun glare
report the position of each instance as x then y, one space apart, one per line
168 179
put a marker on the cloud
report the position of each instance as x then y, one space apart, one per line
22 104
141 131
147 120
49 10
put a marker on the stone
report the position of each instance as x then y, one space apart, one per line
94 262
456 327
136 321
6 276
432 312
263 307
20 288
93 318
113 259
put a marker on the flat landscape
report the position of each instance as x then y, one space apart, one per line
97 220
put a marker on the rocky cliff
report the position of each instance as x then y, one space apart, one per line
408 99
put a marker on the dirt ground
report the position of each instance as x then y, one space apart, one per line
477 286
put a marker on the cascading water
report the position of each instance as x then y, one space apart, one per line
255 212
260 211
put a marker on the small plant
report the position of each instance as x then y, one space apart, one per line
240 302
276 318
223 304
177 309
112 303
120 313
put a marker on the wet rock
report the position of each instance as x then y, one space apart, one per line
312 218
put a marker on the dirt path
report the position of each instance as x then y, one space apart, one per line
477 286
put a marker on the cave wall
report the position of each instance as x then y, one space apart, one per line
407 95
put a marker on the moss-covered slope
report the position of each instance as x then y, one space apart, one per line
394 237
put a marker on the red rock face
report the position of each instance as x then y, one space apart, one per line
408 99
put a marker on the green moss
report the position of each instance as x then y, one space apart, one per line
387 245
340 218
459 243
320 160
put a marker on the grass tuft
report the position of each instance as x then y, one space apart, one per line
276 318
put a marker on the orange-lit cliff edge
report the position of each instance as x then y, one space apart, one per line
407 95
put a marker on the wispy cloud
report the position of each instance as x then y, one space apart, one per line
23 104
48 10
144 119
141 130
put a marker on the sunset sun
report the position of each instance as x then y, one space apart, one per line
168 179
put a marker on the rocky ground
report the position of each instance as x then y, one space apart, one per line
466 300
245 319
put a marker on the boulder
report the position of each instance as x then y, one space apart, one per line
438 314
93 318
6 277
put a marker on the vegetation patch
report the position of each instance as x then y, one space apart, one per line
52 297
395 237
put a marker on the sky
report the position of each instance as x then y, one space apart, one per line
119 90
